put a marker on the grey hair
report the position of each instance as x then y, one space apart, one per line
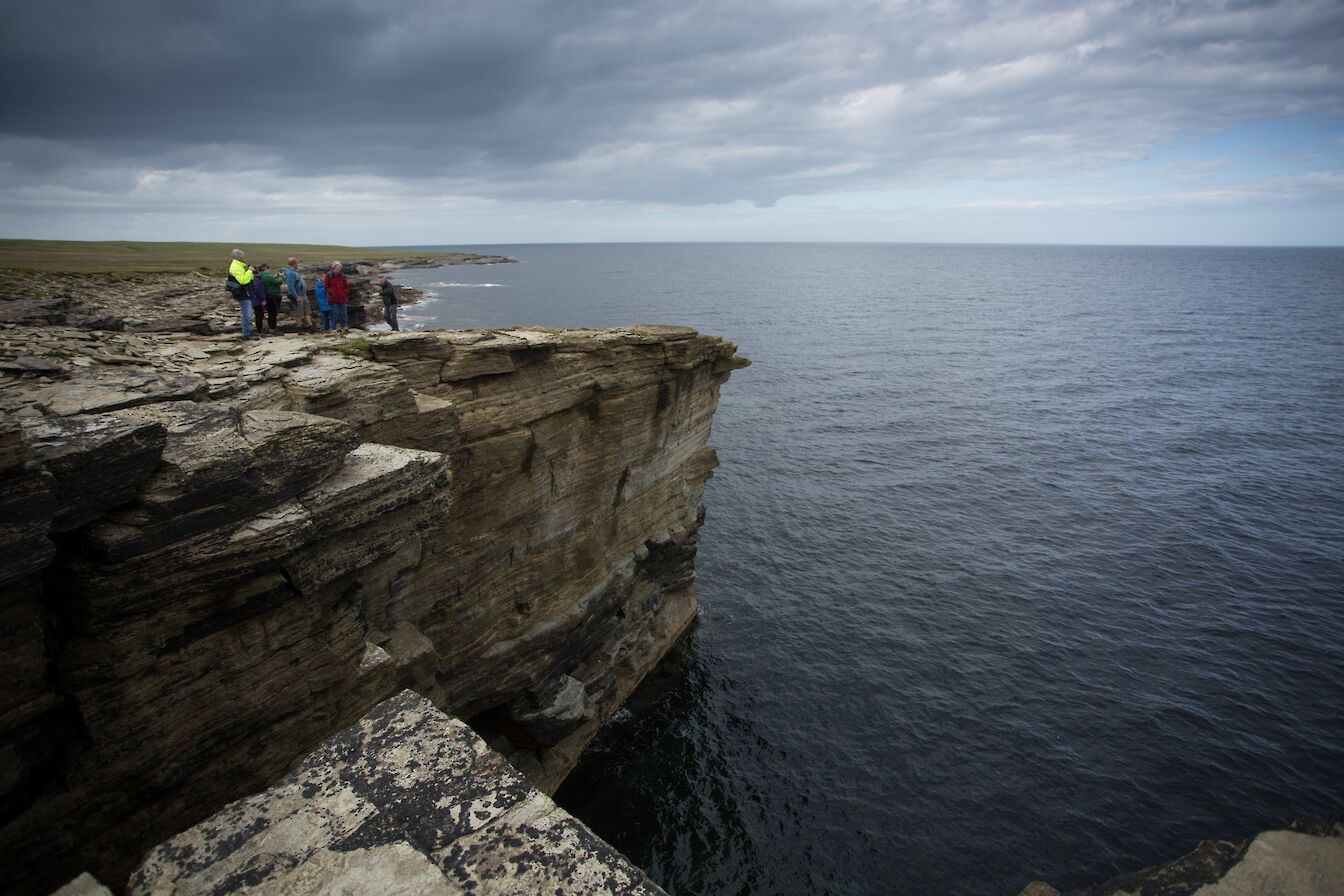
237 253
335 265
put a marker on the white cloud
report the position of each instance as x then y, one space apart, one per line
654 103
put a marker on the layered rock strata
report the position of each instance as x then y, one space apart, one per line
219 552
406 801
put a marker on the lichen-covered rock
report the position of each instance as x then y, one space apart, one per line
405 801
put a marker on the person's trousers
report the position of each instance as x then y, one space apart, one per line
272 308
245 312
259 312
327 322
390 313
340 315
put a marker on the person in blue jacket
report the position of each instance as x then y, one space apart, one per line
298 295
323 306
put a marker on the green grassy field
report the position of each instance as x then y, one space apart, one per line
133 257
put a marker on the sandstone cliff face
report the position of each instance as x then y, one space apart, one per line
218 553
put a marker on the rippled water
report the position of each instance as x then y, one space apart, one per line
1021 562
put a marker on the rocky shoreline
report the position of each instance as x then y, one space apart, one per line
1305 859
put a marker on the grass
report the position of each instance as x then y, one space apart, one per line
121 257
357 347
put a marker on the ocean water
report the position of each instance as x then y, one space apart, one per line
1022 562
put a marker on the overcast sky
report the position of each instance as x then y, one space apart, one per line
418 122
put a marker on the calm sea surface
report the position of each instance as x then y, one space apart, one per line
1021 562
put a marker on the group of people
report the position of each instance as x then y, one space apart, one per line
257 291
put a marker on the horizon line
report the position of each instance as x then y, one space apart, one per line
799 242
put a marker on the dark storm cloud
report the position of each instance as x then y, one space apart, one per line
669 101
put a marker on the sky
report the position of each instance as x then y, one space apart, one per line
412 122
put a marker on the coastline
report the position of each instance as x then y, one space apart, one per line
226 550
1126 887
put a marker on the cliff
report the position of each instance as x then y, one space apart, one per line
219 553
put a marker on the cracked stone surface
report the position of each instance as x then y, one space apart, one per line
406 801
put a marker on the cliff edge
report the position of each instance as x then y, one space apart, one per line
218 553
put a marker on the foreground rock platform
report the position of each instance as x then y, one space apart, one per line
1306 859
406 801
219 552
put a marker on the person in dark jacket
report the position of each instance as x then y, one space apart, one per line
258 304
389 294
272 283
338 296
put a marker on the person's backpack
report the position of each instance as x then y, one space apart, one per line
234 287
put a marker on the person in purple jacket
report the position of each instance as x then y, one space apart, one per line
259 305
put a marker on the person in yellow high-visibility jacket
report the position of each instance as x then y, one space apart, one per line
240 275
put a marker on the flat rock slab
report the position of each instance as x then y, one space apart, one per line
93 390
406 801
172 325
1285 863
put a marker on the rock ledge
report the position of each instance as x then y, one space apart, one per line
405 801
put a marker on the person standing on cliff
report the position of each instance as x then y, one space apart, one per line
323 306
338 296
258 291
298 294
272 285
239 286
389 294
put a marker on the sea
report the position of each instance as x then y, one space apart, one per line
1022 562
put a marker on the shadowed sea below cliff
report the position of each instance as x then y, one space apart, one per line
1022 562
